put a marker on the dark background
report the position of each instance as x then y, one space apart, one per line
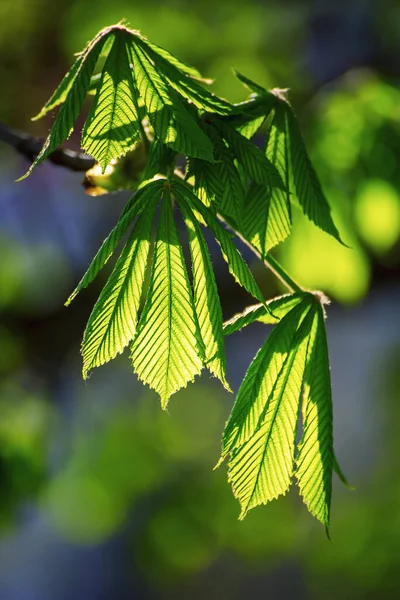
102 494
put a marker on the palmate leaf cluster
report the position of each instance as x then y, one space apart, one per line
168 313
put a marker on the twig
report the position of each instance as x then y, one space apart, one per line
29 147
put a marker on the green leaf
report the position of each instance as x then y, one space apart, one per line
172 122
253 87
261 431
113 124
170 58
72 94
236 265
185 85
315 457
62 90
308 187
250 128
131 210
167 349
94 84
112 323
267 217
206 298
159 159
248 116
207 182
254 162
340 474
278 308
224 181
261 379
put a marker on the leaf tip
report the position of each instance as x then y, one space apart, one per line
38 116
24 176
70 298
243 513
164 402
220 461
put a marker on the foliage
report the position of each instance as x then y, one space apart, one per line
148 102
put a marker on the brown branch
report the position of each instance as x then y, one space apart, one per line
29 147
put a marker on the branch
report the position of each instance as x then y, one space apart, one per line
29 147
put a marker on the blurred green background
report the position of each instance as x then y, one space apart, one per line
103 495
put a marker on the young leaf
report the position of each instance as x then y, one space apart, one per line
160 157
253 87
340 474
172 122
266 218
261 379
207 182
308 188
237 266
72 94
112 324
167 350
170 58
131 210
248 116
230 193
278 307
315 457
113 125
250 128
63 89
261 432
254 162
206 299
187 87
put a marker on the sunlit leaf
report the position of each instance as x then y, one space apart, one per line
315 458
307 185
260 434
257 166
223 179
183 83
173 123
72 94
112 323
206 298
113 126
167 350
278 308
237 266
131 210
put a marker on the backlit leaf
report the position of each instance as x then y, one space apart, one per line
112 324
306 182
278 308
314 462
131 210
206 298
236 265
260 434
113 126
172 122
167 350
72 94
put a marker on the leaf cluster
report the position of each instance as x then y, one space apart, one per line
148 108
